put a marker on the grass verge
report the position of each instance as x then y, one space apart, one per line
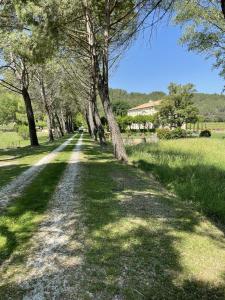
194 169
141 242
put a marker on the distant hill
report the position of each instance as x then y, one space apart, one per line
134 99
211 106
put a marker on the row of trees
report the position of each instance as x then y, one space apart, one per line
59 53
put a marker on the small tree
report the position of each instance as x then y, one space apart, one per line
120 108
178 108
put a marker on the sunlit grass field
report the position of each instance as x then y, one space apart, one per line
13 161
207 125
11 139
194 169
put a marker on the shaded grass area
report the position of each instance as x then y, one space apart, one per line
141 242
194 169
18 160
20 219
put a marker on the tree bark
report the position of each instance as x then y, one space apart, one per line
30 118
88 124
223 7
59 124
102 78
93 128
47 110
117 141
50 132
98 124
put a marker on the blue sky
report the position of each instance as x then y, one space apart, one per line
151 65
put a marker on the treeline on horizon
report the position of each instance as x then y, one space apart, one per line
211 106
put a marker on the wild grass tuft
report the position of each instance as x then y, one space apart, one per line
194 169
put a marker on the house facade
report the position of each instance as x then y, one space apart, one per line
149 109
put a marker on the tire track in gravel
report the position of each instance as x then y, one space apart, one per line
55 251
17 185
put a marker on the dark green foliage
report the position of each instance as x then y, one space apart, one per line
205 133
178 133
104 121
120 108
124 122
178 108
134 99
211 107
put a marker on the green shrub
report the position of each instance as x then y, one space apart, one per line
23 131
167 134
205 133
164 133
178 133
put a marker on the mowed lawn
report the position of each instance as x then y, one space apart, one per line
194 169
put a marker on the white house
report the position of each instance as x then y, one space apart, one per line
149 108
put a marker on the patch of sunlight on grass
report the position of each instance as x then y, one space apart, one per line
3 241
203 256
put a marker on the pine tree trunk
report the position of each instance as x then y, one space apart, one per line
91 120
50 133
223 7
62 121
59 124
88 124
117 141
98 124
47 110
30 118
102 79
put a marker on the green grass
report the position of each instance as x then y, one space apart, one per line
215 125
218 135
18 160
11 139
21 218
194 169
140 241
137 240
220 126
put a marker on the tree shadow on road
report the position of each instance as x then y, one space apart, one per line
139 241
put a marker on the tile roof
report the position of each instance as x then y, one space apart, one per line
146 105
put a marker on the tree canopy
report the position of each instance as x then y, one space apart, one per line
177 108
